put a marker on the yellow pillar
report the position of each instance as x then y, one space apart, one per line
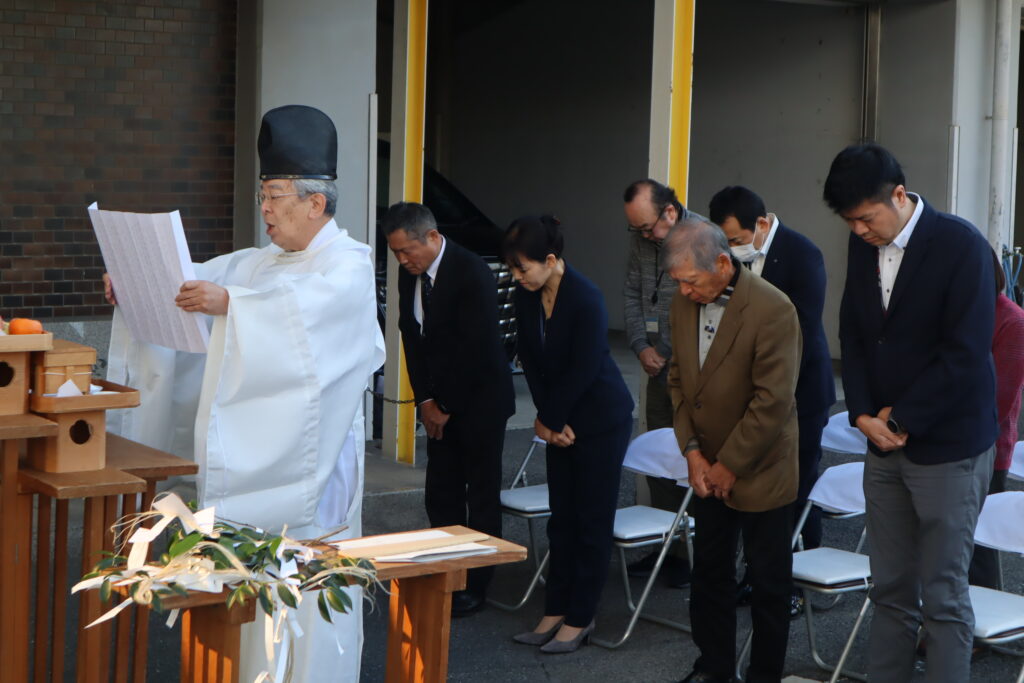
672 93
671 97
408 83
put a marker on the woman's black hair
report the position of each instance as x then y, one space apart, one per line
533 237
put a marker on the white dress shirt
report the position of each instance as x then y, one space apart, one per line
890 256
762 255
417 303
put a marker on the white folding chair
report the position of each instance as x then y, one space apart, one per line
999 615
840 437
655 453
529 503
1017 464
839 492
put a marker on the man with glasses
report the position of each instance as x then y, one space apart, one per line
651 211
273 410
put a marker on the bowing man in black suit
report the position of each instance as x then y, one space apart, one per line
584 412
460 376
792 263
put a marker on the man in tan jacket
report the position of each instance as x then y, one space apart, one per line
735 359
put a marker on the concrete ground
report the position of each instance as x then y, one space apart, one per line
482 648
481 645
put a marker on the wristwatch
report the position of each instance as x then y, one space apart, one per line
893 425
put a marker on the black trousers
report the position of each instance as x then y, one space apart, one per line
811 427
766 537
583 490
463 484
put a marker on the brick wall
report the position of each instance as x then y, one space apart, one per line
130 104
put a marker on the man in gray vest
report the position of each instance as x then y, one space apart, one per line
651 210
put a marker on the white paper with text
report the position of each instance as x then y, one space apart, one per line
148 259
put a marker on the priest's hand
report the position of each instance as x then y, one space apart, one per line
697 470
720 480
202 296
108 290
433 419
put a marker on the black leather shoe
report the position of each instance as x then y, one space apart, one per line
465 603
701 677
796 606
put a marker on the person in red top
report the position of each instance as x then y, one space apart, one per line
1008 353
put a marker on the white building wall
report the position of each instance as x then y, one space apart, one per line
322 53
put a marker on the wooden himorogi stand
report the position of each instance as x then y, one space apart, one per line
54 450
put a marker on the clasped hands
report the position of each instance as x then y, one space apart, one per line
195 296
876 429
433 418
707 479
564 438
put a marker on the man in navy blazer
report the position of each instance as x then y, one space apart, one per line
916 332
460 376
792 263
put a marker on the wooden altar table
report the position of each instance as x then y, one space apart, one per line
419 624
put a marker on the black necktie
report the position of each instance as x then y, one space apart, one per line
426 288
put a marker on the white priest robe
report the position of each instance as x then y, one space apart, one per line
273 412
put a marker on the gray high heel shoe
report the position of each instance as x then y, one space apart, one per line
559 647
534 638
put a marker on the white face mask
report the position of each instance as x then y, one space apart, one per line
745 253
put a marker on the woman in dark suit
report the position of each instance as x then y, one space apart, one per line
584 413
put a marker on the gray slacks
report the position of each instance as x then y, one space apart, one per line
920 521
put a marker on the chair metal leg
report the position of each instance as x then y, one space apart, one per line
1020 678
533 549
744 654
863 537
849 646
521 473
637 609
529 589
816 656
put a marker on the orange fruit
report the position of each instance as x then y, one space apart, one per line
24 326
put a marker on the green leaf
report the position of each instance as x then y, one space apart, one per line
336 598
184 545
266 600
177 588
105 590
287 597
321 603
157 605
245 551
